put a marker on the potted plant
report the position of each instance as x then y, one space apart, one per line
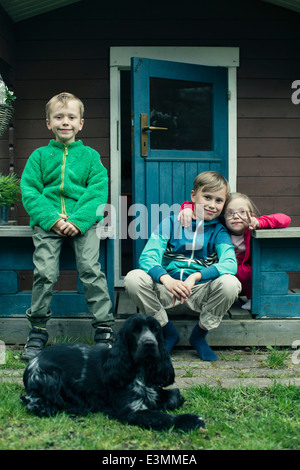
10 193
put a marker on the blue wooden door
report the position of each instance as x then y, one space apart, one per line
185 107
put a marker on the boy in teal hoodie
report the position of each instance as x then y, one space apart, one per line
62 186
194 268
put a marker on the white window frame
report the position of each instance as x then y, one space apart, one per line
120 58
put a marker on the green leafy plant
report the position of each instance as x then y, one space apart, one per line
10 97
10 191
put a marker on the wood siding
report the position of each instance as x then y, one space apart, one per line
269 126
68 50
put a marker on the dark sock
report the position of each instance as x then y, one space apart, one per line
198 341
171 336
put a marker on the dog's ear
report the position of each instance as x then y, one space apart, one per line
165 371
117 367
161 371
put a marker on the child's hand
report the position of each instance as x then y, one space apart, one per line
70 230
251 221
57 228
65 228
179 289
192 279
185 217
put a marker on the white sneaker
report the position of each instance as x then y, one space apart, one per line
247 305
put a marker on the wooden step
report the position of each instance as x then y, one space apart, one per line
238 328
279 332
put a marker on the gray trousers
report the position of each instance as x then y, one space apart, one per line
46 260
209 301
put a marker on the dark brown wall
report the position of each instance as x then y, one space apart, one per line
269 126
68 50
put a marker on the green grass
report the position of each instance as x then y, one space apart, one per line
13 360
238 418
235 419
277 357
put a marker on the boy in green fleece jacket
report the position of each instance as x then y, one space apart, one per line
62 186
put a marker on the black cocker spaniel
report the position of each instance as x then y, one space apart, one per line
125 382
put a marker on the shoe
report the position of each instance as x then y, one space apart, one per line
104 336
247 305
36 342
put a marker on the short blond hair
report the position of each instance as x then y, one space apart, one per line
211 181
64 98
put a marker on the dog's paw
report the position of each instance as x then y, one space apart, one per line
176 400
187 422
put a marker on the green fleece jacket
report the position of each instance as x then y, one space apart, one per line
68 179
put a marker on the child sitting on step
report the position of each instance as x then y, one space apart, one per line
240 217
196 269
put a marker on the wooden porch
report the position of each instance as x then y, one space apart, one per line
277 322
238 328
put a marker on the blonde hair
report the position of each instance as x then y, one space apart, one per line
253 209
64 98
211 181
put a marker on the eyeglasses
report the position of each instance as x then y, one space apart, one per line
231 214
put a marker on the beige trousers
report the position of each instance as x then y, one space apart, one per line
48 246
209 301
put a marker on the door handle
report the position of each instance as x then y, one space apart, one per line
144 133
152 128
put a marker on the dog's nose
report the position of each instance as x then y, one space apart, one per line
149 349
148 343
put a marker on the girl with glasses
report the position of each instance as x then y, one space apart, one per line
240 217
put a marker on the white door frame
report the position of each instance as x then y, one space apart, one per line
120 60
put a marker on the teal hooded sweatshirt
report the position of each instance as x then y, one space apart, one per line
64 179
179 252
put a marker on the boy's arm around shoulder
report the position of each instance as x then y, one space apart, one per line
186 205
40 209
274 221
186 213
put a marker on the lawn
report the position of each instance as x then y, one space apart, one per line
239 418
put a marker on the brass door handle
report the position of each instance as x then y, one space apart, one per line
144 133
152 128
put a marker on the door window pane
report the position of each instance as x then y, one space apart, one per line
185 108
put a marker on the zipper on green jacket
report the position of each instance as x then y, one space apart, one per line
63 168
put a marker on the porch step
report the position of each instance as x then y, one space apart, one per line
238 328
268 332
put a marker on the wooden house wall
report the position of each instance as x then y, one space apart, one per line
268 126
68 50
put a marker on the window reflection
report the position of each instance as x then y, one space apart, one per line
185 108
